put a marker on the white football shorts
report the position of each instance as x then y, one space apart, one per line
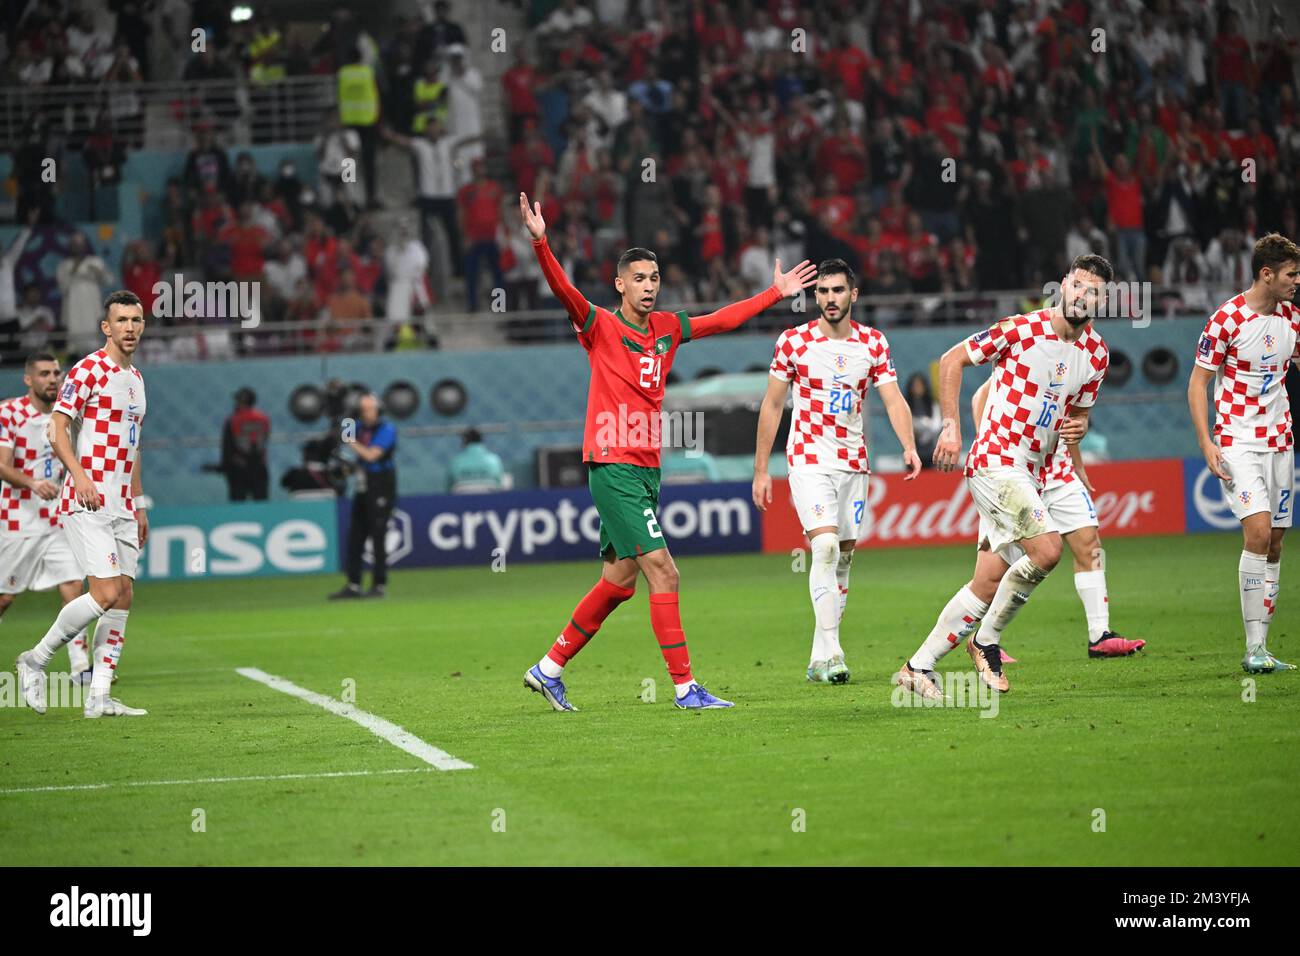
1261 481
835 499
36 562
104 545
1010 508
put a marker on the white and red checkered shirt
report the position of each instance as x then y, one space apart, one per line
22 430
109 402
1249 354
1060 467
1037 380
830 379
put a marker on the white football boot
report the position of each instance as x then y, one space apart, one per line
32 679
105 706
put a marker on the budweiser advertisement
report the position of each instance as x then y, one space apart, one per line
1132 498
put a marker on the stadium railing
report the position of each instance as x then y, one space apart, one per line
220 338
163 115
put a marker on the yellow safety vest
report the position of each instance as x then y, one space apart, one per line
426 96
358 95
263 73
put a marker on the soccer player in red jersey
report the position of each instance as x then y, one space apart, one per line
631 351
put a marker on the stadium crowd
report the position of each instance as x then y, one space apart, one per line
935 146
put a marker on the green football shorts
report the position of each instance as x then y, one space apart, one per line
626 497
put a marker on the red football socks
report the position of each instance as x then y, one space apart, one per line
587 618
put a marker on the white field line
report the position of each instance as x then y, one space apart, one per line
395 735
200 780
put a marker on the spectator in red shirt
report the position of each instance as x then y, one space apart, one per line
320 249
1232 64
947 122
893 215
247 242
140 271
1124 208
842 156
921 256
836 204
479 207
709 231
518 83
872 247
850 64
529 156
210 216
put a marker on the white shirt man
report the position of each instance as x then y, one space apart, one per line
1246 347
829 362
405 262
464 108
1048 368
34 552
102 401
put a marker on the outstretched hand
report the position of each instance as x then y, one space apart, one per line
533 220
800 277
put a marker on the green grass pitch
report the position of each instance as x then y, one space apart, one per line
1185 770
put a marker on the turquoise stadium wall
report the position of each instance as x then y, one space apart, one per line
528 397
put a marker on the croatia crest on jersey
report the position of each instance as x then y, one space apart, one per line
1269 341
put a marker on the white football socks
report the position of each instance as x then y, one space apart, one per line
549 668
823 586
109 635
842 570
1251 571
1091 586
1272 572
956 621
75 617
1012 594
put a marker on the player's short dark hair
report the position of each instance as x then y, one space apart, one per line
636 254
1094 264
37 357
835 267
471 436
1271 251
121 297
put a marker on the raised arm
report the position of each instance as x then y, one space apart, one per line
574 302
732 316
769 420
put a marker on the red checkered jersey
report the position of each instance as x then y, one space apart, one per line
108 403
630 365
1038 378
1249 354
830 379
22 431
1060 467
